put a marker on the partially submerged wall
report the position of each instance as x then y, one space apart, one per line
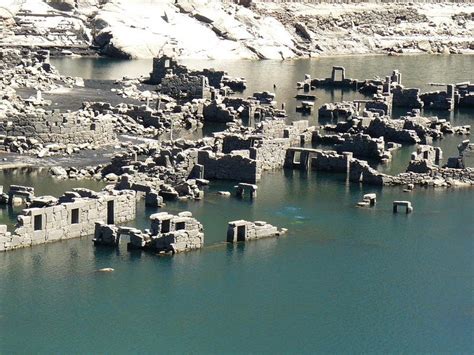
360 171
73 217
242 231
168 233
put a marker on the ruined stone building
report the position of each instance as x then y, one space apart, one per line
168 234
55 127
73 215
243 157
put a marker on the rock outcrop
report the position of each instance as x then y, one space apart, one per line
222 29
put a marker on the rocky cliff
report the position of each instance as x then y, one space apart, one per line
223 30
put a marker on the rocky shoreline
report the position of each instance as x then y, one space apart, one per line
222 30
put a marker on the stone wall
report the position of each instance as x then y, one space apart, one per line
363 146
164 65
185 86
182 232
317 159
74 216
439 100
428 152
331 161
394 130
54 127
359 171
279 129
229 166
242 231
245 154
215 111
403 97
338 110
270 153
168 234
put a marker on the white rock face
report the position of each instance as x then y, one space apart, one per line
212 29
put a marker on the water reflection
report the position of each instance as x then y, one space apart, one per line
418 71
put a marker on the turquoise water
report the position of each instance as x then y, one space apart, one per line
344 279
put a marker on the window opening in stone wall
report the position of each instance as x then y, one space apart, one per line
38 222
180 226
165 226
75 216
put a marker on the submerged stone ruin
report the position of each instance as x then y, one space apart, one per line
153 165
72 215
455 96
243 231
360 171
167 234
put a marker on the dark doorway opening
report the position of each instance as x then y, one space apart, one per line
241 233
110 212
165 226
75 216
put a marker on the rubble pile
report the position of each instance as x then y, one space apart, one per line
22 68
410 129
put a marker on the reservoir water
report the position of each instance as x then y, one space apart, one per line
343 279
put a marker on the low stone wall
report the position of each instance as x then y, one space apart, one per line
410 129
242 231
439 100
317 159
73 217
53 127
360 171
394 130
331 161
245 153
165 65
338 110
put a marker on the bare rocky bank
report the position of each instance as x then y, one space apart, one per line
223 30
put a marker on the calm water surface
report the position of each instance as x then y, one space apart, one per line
343 279
417 71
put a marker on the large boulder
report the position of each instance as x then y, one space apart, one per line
63 5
